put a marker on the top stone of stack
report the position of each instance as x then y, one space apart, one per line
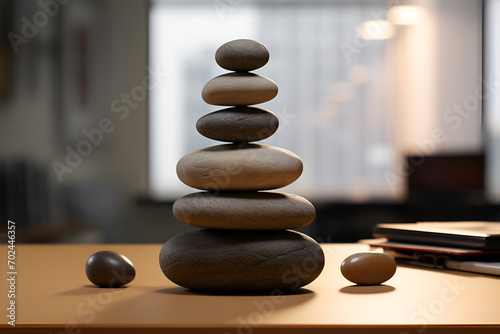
240 87
242 55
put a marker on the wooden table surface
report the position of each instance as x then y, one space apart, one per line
53 295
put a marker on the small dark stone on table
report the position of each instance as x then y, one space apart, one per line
109 269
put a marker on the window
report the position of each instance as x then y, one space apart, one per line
346 88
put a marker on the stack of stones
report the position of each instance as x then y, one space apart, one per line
245 243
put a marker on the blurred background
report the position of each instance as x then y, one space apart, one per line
392 106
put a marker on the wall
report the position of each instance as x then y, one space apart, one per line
128 61
102 191
439 63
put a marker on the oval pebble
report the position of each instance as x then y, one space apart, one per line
244 166
368 268
242 55
226 260
244 210
238 124
109 269
239 89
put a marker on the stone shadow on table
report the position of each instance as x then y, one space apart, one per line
367 289
90 289
184 291
177 305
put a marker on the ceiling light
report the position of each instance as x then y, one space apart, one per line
375 30
405 15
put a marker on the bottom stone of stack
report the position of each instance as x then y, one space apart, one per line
232 261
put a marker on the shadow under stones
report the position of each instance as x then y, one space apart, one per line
367 289
184 291
89 290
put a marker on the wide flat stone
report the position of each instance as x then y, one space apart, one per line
244 210
244 166
226 260
242 55
238 124
239 89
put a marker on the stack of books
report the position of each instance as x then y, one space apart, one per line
466 246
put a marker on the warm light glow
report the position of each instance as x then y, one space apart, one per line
376 30
405 15
359 74
342 91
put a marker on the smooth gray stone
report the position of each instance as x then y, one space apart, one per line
109 269
227 260
242 55
245 166
238 124
368 268
239 89
244 210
